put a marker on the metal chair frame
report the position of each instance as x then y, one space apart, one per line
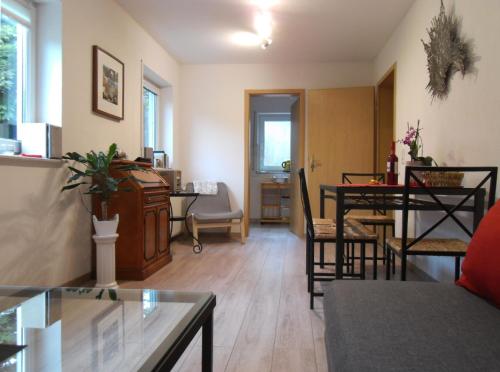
412 175
379 177
311 239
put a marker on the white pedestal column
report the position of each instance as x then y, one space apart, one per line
105 259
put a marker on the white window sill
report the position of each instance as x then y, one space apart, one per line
27 161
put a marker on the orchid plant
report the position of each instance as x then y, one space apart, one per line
413 140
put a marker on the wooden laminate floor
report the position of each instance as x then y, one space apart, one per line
262 318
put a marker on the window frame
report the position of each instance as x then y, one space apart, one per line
260 119
28 79
146 84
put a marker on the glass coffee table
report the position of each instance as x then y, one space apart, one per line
94 329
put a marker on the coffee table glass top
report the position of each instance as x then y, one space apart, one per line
92 329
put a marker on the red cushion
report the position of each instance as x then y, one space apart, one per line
481 267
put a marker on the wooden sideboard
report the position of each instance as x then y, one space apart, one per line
143 246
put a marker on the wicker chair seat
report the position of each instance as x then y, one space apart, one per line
353 231
448 247
378 219
322 221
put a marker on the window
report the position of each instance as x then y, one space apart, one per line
273 141
15 77
151 115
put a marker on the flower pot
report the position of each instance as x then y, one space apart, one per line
105 228
105 239
415 163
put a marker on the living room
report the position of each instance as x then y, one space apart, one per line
333 54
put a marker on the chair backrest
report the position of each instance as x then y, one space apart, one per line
356 177
351 177
306 205
415 177
209 203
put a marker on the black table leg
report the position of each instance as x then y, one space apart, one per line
457 268
339 248
207 352
322 215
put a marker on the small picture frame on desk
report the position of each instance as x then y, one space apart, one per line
160 159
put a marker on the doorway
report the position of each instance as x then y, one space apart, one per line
274 151
385 118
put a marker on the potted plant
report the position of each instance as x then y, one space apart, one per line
413 140
96 173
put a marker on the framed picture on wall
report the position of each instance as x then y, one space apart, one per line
108 84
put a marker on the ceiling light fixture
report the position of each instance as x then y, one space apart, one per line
263 24
265 43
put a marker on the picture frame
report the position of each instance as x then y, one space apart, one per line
108 84
159 159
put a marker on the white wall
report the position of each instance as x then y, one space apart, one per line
45 235
212 105
104 23
464 129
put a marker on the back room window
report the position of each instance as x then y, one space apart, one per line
273 141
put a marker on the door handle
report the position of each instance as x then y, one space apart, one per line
314 164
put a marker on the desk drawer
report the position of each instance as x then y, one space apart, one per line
156 198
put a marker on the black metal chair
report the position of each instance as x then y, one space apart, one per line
324 231
421 245
378 218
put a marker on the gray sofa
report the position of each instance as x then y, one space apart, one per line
409 326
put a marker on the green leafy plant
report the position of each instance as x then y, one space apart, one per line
97 168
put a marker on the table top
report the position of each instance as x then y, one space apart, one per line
393 189
93 329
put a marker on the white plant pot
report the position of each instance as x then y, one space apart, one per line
105 239
105 261
105 228
414 163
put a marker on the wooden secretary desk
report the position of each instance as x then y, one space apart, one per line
142 247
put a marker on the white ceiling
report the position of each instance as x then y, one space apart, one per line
199 31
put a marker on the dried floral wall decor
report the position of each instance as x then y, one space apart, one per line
447 53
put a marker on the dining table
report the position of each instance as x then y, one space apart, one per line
383 197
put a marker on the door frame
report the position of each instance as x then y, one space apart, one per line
249 93
392 70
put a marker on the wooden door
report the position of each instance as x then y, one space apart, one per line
385 110
296 213
340 138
